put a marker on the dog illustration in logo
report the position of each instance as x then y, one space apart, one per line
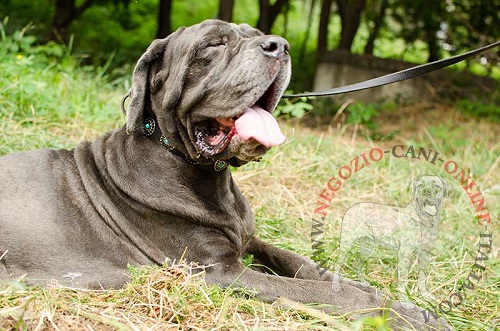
411 231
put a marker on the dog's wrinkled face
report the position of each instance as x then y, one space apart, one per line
428 194
212 88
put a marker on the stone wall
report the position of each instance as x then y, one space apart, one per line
336 68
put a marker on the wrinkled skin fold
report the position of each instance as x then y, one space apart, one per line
80 216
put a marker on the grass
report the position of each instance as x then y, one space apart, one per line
52 102
157 298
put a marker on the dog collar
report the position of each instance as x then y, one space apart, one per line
149 127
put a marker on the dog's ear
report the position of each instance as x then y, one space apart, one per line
139 92
447 187
413 184
157 53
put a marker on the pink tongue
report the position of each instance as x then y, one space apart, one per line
260 125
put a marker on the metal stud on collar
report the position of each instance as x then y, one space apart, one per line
165 142
220 165
149 126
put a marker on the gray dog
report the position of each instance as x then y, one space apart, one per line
410 231
159 187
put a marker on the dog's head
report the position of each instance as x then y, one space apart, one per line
212 88
428 194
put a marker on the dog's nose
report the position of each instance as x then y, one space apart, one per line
275 46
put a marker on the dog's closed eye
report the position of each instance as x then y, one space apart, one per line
209 51
220 42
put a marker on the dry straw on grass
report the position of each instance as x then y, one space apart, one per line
166 298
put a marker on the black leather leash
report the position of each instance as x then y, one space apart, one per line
396 76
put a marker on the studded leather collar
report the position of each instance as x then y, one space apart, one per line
153 132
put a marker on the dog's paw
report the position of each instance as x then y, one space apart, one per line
415 318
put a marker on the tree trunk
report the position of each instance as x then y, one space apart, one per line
350 16
308 31
431 27
268 14
66 12
432 42
264 23
226 10
164 21
379 19
324 19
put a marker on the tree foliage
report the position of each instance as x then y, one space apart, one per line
416 30
444 26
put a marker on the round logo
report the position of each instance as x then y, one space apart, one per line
420 226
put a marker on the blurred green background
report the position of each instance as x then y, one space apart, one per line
410 30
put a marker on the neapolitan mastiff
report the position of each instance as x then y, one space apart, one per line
159 187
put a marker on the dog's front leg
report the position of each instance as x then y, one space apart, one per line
423 271
270 287
293 265
349 300
283 262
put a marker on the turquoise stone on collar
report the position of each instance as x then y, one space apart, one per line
149 126
165 142
220 165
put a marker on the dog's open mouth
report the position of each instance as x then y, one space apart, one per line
255 122
430 207
213 135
